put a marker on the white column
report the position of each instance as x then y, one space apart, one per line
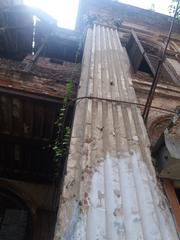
110 190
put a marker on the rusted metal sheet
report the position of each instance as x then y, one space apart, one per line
110 190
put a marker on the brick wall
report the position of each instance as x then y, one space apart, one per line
45 77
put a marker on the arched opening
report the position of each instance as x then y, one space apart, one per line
15 218
158 127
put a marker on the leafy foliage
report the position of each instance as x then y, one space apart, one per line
63 133
172 8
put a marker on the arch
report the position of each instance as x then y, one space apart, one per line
16 218
158 126
6 185
13 189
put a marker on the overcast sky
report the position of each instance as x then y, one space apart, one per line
160 5
65 11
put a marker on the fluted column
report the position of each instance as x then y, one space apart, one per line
110 190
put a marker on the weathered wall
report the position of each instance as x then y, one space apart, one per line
166 99
45 78
130 15
48 79
152 29
22 93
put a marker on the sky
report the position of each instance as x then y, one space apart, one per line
160 5
65 11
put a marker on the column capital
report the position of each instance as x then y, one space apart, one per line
90 19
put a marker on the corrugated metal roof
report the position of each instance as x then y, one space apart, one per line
110 190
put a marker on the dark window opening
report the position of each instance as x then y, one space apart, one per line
148 63
178 194
137 55
15 218
144 67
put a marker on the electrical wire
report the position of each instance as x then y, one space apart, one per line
121 101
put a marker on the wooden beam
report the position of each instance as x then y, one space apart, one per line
24 94
29 66
9 138
174 204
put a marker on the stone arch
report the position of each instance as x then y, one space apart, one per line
16 219
158 126
12 190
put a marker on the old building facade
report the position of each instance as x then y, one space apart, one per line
108 187
111 190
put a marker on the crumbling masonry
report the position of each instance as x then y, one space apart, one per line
108 186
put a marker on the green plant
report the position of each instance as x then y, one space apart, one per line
172 8
63 133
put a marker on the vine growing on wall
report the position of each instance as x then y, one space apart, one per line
63 133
